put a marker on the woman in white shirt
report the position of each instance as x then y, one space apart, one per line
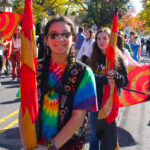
87 46
16 54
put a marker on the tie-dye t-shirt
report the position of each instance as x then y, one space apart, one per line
85 98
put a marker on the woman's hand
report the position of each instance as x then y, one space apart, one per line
111 73
41 147
110 78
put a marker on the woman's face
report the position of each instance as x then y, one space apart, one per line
18 30
59 38
102 41
87 34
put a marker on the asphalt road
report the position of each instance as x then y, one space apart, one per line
133 122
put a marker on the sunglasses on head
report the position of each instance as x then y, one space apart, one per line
64 35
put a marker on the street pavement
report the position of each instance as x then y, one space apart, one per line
133 121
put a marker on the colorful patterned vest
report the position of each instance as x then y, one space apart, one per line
71 79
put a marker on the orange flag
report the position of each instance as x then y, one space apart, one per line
138 88
110 101
8 23
29 103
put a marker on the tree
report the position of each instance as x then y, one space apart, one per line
135 23
144 15
46 8
100 12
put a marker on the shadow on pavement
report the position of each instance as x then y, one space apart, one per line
14 86
10 139
125 138
11 102
16 83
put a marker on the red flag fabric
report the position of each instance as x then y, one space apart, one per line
110 101
9 50
28 64
137 90
8 23
29 102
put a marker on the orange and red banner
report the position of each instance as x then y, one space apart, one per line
28 63
29 102
110 101
8 23
138 88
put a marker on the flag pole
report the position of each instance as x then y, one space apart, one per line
134 91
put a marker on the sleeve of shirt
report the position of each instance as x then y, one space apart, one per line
80 51
85 97
91 47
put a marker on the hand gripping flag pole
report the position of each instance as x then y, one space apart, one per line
29 103
110 101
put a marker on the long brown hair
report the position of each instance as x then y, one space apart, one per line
97 57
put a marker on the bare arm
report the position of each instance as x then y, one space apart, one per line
65 134
70 128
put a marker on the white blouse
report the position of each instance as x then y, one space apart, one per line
86 48
16 43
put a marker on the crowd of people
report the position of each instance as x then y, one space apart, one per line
71 78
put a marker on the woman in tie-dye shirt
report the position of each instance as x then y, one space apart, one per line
62 113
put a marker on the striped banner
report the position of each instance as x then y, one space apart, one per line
8 23
138 88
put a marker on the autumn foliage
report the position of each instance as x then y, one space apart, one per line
134 22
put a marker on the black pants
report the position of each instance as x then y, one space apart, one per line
148 51
107 133
1 63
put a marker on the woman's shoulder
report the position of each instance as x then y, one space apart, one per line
84 67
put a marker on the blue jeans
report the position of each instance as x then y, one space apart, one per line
94 140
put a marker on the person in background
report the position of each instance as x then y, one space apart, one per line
136 49
3 46
79 40
87 47
106 132
148 47
127 57
67 90
130 39
142 43
6 55
126 45
15 56
41 45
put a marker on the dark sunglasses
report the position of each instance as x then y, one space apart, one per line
64 35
